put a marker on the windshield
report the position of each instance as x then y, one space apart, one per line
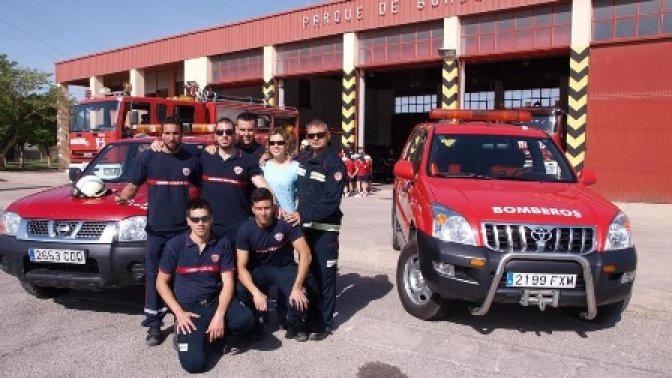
94 117
498 157
543 122
115 162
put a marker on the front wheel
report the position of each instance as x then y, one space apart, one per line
42 292
416 297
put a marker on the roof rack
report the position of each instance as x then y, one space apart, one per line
214 97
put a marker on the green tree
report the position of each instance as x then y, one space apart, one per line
27 107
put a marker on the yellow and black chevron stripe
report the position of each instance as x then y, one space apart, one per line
269 91
349 109
449 84
577 106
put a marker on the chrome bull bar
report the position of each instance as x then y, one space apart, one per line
589 284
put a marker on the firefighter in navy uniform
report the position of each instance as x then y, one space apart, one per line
246 128
319 189
201 267
168 175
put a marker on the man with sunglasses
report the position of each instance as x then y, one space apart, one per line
201 267
319 186
228 174
168 175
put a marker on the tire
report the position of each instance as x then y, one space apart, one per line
42 292
417 299
610 313
396 229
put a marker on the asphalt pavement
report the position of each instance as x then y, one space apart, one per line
98 333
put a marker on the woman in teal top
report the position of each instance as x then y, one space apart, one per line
280 172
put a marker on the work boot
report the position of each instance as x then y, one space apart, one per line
296 332
320 333
154 336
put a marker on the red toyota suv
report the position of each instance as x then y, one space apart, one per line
487 212
54 240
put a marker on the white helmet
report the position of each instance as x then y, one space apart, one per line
89 186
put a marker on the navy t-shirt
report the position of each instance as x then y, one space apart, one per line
254 148
168 177
197 275
268 246
225 186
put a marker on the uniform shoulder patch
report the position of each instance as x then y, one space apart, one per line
215 258
338 176
278 236
186 171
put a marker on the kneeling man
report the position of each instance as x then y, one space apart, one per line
202 299
265 256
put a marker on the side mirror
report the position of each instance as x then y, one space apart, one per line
404 169
134 117
588 177
74 173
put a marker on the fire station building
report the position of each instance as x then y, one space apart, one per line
373 69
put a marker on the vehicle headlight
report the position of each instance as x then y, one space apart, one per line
10 223
619 235
449 225
132 229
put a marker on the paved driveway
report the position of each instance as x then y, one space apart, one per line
98 333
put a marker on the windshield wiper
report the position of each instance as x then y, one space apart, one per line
462 175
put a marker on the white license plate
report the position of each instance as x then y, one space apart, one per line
66 256
540 280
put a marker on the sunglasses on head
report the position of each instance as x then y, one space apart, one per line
276 142
221 132
319 135
204 219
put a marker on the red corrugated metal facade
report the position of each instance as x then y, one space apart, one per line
629 128
305 23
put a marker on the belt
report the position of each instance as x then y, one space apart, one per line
323 226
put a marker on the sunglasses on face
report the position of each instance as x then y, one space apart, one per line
319 135
221 132
204 219
276 142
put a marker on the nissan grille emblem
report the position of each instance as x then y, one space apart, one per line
61 228
541 235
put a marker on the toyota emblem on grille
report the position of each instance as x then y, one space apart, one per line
61 228
541 235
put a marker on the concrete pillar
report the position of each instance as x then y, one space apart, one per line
137 80
270 60
63 126
577 99
198 70
171 84
96 85
281 93
450 84
349 121
361 105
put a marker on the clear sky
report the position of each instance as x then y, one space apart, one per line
38 33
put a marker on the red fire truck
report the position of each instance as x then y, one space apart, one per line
95 122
